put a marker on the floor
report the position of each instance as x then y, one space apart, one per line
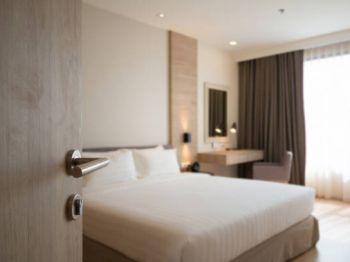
334 244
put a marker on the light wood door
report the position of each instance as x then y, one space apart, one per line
40 121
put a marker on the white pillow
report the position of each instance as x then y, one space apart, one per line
120 168
156 162
157 148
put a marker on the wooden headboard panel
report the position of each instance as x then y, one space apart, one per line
183 94
107 149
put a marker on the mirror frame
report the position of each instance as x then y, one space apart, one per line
207 138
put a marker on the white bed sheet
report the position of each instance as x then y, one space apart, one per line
191 217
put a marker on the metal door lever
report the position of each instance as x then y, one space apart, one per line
78 166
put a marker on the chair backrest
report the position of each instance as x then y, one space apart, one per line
287 161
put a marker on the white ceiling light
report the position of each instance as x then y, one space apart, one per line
233 43
161 15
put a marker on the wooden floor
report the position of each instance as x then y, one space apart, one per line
334 244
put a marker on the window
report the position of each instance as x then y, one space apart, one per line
327 114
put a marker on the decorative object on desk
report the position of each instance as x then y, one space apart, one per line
233 128
187 138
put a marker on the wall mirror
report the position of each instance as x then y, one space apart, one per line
215 113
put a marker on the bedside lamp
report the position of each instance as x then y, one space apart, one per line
233 128
187 137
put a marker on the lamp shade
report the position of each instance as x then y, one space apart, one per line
233 128
187 137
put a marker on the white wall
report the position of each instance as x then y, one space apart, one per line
217 67
317 41
125 81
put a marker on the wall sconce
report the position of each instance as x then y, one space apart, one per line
187 137
233 128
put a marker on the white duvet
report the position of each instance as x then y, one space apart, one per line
191 217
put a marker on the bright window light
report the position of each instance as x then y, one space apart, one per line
327 113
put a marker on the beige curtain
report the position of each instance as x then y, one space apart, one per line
271 109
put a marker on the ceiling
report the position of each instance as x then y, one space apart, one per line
254 24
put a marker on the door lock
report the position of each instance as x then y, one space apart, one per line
74 206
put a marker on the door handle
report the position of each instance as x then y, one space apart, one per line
77 166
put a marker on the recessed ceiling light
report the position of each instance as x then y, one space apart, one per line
281 11
233 43
161 15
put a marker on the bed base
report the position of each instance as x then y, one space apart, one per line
284 246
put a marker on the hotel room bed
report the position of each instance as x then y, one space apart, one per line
196 217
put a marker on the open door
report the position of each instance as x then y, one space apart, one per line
40 113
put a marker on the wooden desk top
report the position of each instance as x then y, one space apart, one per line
231 157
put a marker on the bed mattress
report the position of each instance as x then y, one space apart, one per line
191 217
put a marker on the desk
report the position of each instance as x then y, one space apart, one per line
231 157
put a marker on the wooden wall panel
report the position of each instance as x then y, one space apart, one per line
183 94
